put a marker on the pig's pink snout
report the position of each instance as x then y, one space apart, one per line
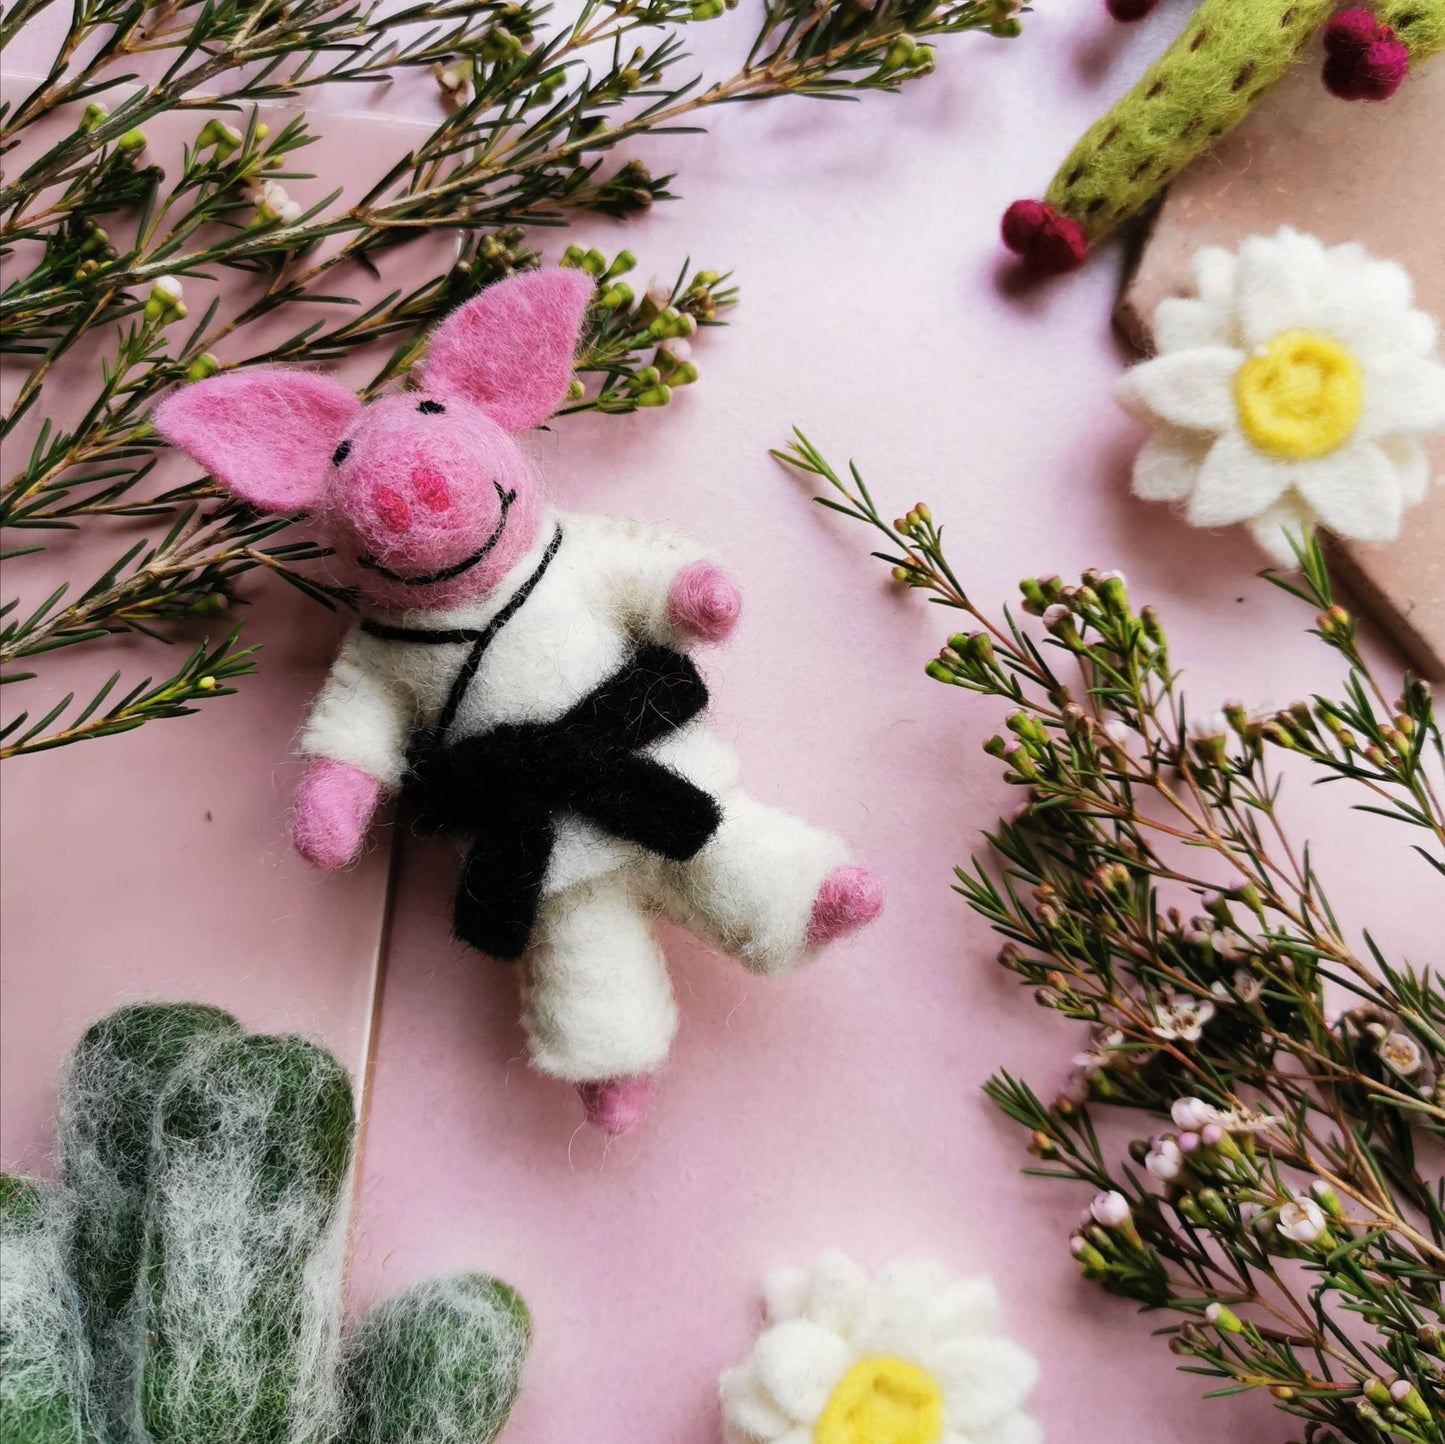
426 490
431 488
391 508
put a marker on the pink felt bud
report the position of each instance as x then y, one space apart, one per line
1129 10
703 602
334 807
1364 59
1047 241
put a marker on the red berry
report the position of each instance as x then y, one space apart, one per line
1129 10
1048 241
1364 59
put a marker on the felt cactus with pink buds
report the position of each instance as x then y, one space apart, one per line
1227 57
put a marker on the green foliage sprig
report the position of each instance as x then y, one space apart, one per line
102 245
1284 1202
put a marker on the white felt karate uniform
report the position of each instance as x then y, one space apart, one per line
598 1000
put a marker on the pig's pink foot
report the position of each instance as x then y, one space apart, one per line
617 1105
703 602
334 806
849 898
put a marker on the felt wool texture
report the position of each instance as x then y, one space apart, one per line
618 1105
1294 389
1420 24
437 1363
265 434
334 805
522 673
847 893
1228 56
182 1286
910 1355
1364 58
704 601
114 1081
510 349
505 790
40 1336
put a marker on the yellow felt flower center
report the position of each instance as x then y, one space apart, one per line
882 1401
1301 396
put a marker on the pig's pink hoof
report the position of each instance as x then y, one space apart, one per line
616 1105
703 602
334 806
849 898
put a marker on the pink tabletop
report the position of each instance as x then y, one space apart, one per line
838 1109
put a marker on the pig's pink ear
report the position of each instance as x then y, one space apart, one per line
510 350
265 435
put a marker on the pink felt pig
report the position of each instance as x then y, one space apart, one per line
524 674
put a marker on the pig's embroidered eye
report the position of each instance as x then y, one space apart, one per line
341 453
432 408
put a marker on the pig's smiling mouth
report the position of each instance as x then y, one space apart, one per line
445 574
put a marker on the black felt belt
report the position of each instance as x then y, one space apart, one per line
504 790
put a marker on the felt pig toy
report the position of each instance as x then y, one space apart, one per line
524 675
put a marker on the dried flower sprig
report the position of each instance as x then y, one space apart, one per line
1282 1203
109 251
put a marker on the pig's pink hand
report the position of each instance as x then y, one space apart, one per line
334 806
703 602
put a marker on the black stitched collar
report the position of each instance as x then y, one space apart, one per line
445 574
443 636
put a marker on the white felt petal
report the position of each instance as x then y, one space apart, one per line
1192 389
785 1294
799 1365
749 1415
1387 283
983 1381
1419 334
1272 529
1168 463
969 1307
1283 284
1403 393
1374 327
1181 322
1012 1429
836 1293
1235 482
899 1315
1354 491
1412 465
1215 275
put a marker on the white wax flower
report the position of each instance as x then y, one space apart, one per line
1165 1159
1110 1209
1183 1017
1301 1219
1193 1113
1295 388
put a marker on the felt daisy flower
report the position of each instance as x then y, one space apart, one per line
911 1356
1294 389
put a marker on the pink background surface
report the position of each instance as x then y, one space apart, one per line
840 1108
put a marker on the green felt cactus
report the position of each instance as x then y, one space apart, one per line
40 1362
107 1111
182 1285
1229 54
